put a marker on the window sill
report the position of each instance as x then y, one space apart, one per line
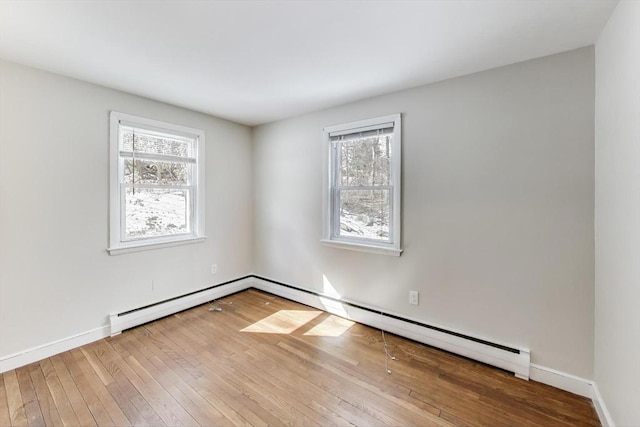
138 247
362 247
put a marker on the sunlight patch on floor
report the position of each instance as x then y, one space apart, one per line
332 326
283 322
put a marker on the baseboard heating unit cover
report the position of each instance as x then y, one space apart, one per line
121 321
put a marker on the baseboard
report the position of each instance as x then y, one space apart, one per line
516 361
562 380
601 408
40 352
576 385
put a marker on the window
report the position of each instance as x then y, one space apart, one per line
157 184
362 185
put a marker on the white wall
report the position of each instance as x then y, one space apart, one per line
617 214
497 223
498 207
56 278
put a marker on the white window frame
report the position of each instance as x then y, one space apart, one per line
117 243
329 201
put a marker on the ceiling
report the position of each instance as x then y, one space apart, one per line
258 61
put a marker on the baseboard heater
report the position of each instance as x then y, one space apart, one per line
141 315
509 358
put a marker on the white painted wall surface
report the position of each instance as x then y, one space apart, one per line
56 278
617 214
497 207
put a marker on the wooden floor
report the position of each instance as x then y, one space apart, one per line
264 361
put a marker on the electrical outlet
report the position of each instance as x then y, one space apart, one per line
413 297
214 268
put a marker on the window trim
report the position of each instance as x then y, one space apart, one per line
116 244
328 203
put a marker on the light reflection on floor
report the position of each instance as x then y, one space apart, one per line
332 326
288 321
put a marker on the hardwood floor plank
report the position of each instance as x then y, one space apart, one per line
60 399
148 390
75 397
5 418
455 420
327 390
116 344
86 390
163 402
293 391
470 409
201 410
403 414
29 398
101 391
263 391
97 366
334 418
124 396
108 359
48 406
344 417
345 391
251 406
326 384
278 393
224 400
263 361
384 383
15 403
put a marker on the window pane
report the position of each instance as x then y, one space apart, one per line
156 212
365 161
152 172
155 143
365 214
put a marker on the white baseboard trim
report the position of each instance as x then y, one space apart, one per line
514 362
562 380
576 385
40 352
601 408
119 323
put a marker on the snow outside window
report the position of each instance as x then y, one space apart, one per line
157 184
362 189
